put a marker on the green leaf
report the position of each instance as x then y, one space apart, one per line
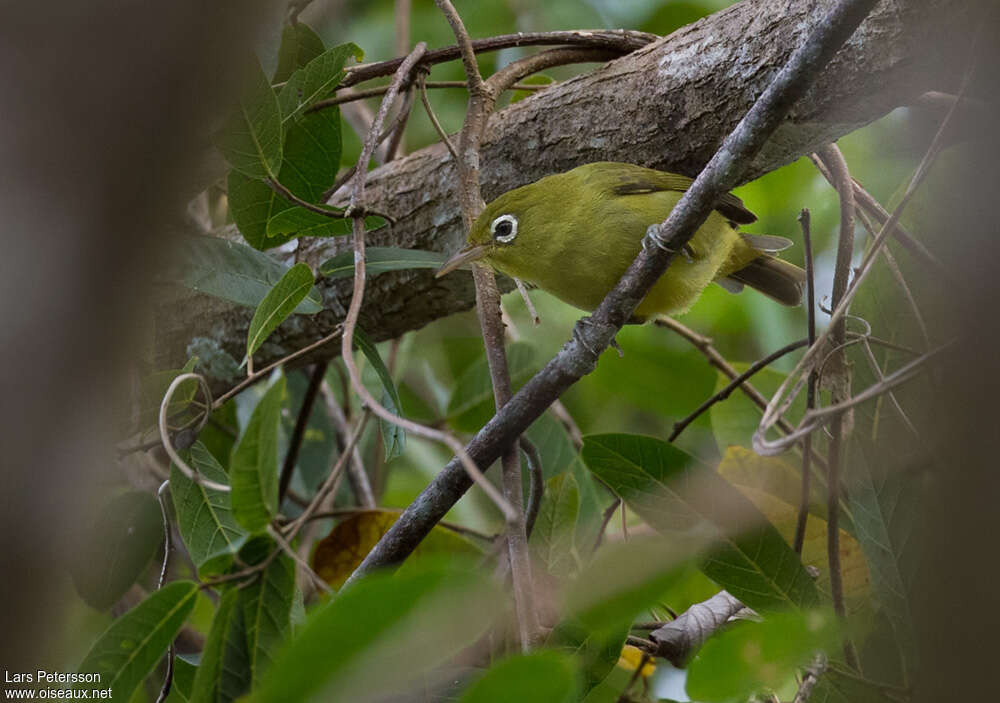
278 304
267 605
312 155
299 222
883 528
596 650
471 403
117 549
311 159
381 259
308 85
552 539
252 203
253 467
251 139
232 271
749 657
299 45
379 636
129 649
542 677
205 516
182 686
393 436
678 497
224 672
624 579
154 387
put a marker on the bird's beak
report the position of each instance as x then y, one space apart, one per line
468 254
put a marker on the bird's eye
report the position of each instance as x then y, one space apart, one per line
504 228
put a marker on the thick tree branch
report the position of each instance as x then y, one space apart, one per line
667 106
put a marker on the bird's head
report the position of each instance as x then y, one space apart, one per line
501 232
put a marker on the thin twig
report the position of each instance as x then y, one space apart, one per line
165 432
482 99
609 513
356 474
353 96
357 197
621 41
792 385
704 345
759 365
299 431
804 494
433 117
303 564
161 498
841 388
331 481
537 483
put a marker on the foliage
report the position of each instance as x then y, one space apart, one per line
700 515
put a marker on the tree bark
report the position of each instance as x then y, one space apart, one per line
666 106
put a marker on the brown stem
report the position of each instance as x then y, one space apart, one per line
299 432
803 514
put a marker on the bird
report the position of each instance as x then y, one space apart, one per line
575 233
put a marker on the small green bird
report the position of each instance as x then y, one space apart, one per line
574 234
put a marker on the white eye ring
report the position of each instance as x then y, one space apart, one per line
504 235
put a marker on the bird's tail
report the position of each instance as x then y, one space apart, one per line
775 278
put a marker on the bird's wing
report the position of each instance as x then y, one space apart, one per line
644 180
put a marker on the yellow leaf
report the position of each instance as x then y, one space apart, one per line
773 485
630 659
342 551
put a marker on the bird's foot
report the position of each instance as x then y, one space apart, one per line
586 322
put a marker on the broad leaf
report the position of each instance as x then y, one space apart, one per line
300 222
130 648
381 259
552 538
471 403
117 549
678 497
252 137
299 45
542 677
232 271
306 86
342 551
750 657
312 155
596 650
381 635
278 304
625 578
267 604
253 467
224 672
393 436
205 516
182 686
